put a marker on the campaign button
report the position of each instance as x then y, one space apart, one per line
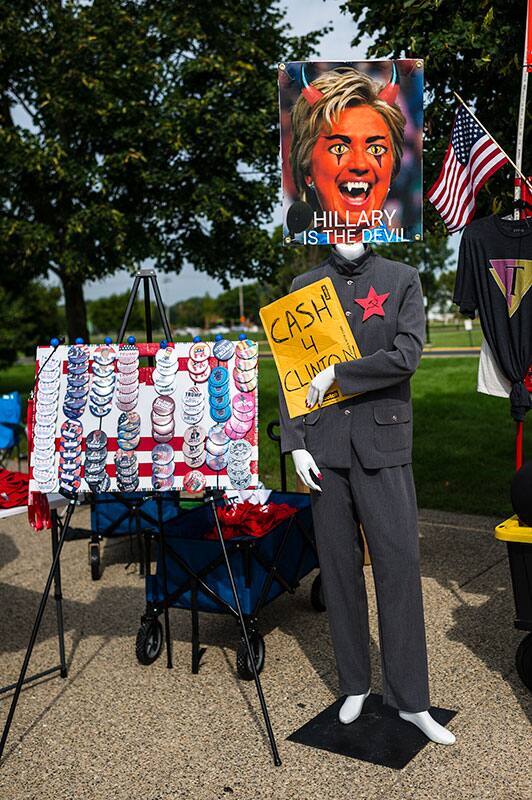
167 356
166 389
240 450
246 364
218 377
162 454
200 378
99 411
102 372
223 350
219 391
193 450
128 354
159 437
246 387
194 481
163 405
216 463
193 396
244 402
96 439
78 381
191 419
219 401
195 461
163 470
217 435
220 414
161 484
164 430
241 482
194 435
126 406
246 348
200 351
248 416
197 367
216 449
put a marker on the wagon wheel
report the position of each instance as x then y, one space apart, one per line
523 661
149 642
94 560
243 663
316 594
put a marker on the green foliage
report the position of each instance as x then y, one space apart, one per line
475 48
106 313
153 135
432 257
28 318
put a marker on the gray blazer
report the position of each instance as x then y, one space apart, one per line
377 423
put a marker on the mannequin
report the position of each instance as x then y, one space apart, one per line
309 473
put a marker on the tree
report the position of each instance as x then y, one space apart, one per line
106 313
431 256
474 48
152 135
28 317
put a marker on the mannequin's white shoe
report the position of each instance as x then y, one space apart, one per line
432 729
352 707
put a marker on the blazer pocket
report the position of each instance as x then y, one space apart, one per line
312 417
392 429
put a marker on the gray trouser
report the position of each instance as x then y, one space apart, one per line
384 501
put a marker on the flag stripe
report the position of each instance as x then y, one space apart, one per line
453 191
473 179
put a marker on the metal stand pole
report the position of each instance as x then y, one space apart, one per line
61 667
251 654
58 596
37 624
162 545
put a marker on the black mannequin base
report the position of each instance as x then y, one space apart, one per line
379 735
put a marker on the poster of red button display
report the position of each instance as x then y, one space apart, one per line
106 421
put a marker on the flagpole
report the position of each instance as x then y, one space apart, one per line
522 109
514 165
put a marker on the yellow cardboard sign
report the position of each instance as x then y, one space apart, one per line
307 331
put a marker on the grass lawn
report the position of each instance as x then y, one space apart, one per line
463 440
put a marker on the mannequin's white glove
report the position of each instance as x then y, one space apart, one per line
304 463
319 385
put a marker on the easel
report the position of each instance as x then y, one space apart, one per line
148 277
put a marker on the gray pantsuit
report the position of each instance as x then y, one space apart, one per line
363 448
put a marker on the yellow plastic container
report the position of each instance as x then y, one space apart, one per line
511 531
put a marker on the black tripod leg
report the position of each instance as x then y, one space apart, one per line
160 306
130 304
165 584
36 625
58 596
251 654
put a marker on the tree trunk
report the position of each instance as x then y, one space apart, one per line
75 309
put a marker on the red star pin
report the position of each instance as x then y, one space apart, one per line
372 304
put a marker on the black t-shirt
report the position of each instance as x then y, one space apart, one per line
494 275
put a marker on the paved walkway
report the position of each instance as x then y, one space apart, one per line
117 731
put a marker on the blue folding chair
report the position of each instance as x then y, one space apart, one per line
11 427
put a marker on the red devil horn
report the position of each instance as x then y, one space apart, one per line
389 92
309 92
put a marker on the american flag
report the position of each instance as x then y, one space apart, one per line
471 158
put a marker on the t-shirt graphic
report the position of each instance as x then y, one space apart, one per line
513 276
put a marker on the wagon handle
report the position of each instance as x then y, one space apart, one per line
276 437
